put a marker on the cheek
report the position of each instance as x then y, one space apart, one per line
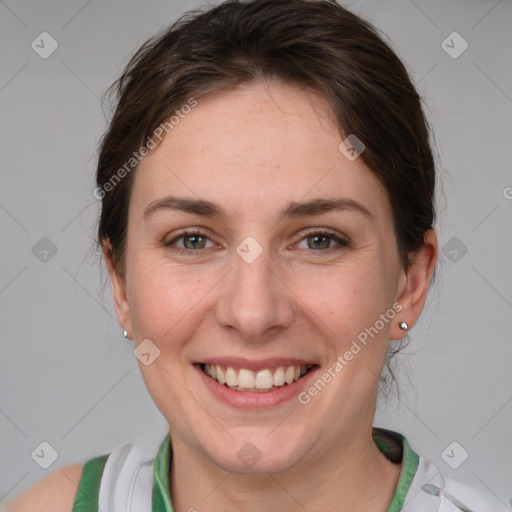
348 302
165 301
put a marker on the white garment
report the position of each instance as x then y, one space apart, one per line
127 481
127 484
451 494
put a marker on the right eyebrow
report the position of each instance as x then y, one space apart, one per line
187 205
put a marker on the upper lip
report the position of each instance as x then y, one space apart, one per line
256 364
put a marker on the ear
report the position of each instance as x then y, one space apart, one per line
414 284
118 290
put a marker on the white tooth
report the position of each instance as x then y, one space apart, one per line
297 373
290 373
245 379
207 369
213 371
279 377
264 379
220 375
231 377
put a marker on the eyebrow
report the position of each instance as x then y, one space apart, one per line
291 209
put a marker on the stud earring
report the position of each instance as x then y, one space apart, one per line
125 333
403 326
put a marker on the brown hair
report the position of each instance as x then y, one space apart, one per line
315 44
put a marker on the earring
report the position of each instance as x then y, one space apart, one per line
403 326
125 333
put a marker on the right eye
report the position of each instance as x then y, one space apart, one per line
193 241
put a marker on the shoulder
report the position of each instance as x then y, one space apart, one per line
93 485
56 492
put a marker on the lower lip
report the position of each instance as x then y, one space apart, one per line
248 400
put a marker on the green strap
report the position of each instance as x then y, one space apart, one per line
161 498
86 499
396 448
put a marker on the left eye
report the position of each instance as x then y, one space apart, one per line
322 240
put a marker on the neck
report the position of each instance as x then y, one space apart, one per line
351 476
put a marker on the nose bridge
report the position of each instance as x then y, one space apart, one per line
254 299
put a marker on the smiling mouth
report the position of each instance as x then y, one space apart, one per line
261 381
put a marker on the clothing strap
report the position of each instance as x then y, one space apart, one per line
126 482
86 499
117 482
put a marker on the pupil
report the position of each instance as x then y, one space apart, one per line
317 237
194 239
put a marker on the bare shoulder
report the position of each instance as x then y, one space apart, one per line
56 492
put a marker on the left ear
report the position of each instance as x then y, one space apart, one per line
413 292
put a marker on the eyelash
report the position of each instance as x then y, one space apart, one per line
342 243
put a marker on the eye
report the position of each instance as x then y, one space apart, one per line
193 241
317 240
322 239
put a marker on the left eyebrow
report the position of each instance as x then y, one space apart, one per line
319 206
291 209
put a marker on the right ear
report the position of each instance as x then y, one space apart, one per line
118 290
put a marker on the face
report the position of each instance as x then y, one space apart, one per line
273 258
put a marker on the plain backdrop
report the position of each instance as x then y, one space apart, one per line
67 377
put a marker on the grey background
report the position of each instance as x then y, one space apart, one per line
67 375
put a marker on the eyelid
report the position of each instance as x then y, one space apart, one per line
313 230
187 232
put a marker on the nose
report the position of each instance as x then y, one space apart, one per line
255 299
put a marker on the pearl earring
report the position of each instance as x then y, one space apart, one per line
125 333
403 326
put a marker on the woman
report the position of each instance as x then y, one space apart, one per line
267 220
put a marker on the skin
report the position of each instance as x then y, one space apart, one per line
56 492
252 150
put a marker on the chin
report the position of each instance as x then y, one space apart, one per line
257 455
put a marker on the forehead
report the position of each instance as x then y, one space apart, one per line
257 145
